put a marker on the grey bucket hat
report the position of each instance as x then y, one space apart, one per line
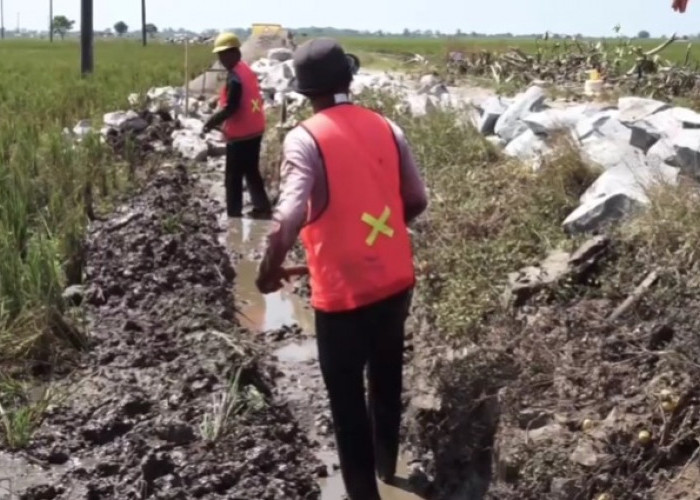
321 66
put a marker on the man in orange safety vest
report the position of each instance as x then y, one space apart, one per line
350 187
242 121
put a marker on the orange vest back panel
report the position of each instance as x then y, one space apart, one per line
358 250
249 120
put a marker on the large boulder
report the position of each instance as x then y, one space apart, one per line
493 108
688 117
428 82
190 145
551 120
687 147
603 124
165 99
647 131
611 152
125 121
633 109
262 66
616 193
509 125
529 148
605 141
192 124
278 78
385 82
662 152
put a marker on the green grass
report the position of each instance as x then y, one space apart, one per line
21 411
44 180
231 402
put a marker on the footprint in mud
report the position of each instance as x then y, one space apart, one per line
288 321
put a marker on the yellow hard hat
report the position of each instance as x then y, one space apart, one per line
226 41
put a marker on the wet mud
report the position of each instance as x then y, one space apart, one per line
164 347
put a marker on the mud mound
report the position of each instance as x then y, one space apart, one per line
560 396
138 144
164 350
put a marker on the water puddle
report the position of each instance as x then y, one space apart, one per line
301 386
18 473
332 488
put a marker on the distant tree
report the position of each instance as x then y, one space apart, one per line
121 28
151 29
406 32
643 34
459 32
62 25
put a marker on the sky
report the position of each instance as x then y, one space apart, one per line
588 17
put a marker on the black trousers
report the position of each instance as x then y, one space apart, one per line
371 337
242 160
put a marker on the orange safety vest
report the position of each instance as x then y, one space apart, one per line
358 250
249 120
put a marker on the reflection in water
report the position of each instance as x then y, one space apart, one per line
260 312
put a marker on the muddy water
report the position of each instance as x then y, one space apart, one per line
301 385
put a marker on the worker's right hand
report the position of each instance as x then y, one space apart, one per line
271 282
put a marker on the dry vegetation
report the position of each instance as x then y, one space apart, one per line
562 357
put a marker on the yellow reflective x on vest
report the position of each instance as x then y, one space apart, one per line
378 226
256 105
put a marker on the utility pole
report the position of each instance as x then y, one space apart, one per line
51 21
86 59
2 19
144 35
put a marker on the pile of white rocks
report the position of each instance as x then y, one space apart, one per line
276 76
638 143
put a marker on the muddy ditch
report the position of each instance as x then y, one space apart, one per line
165 347
284 322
